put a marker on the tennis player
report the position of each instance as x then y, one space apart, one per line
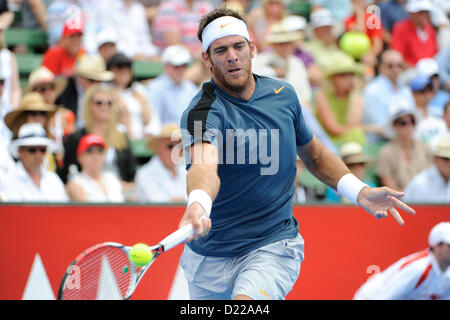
241 135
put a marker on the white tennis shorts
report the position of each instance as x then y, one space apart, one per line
269 272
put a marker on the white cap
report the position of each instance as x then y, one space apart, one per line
106 36
294 23
31 134
439 233
413 6
176 55
321 18
427 67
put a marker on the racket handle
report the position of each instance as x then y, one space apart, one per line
177 237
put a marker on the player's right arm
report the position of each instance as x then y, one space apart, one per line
202 175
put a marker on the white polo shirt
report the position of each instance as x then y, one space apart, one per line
18 187
414 277
428 187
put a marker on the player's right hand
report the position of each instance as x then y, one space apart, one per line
196 215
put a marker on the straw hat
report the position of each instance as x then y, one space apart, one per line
32 101
280 34
30 135
340 63
93 67
442 148
170 130
352 152
44 75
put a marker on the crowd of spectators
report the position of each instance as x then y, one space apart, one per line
373 79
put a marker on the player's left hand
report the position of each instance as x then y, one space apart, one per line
379 201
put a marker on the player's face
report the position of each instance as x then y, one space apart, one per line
229 60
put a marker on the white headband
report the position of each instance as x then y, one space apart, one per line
222 27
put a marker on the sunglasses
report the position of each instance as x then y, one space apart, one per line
101 102
44 88
394 65
33 150
37 113
2 82
95 149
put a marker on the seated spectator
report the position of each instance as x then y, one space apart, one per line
127 19
353 156
415 37
170 93
280 62
391 12
298 23
162 179
428 127
262 18
339 9
32 108
433 184
90 69
131 93
106 44
339 104
92 184
61 58
362 20
176 22
404 156
9 70
323 43
30 181
429 68
44 82
99 113
382 92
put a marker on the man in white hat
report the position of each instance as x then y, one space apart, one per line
433 184
162 179
170 93
30 181
423 275
415 37
324 43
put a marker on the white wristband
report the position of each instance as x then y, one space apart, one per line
349 186
200 196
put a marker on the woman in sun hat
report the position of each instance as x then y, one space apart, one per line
339 104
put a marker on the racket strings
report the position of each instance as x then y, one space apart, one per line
104 273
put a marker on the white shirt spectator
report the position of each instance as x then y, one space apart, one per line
95 193
169 99
429 129
428 186
18 187
415 277
154 183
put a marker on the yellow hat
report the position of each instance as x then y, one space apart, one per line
32 101
352 152
341 62
44 75
280 34
93 67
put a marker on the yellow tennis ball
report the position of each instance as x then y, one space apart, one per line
141 255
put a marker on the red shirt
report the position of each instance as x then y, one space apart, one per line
406 41
375 30
58 60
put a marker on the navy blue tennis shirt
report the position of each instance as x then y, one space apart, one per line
257 141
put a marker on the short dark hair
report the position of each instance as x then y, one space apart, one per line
213 15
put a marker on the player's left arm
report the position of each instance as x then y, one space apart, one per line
332 171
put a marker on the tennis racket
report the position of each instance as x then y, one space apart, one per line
105 272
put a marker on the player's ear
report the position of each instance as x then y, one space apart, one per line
206 59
